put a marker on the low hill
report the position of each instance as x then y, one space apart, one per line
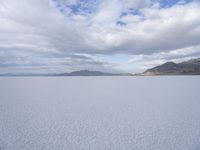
88 73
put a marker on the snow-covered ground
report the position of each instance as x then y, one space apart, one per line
100 113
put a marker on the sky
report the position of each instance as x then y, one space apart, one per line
121 36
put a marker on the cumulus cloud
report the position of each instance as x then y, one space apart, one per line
67 35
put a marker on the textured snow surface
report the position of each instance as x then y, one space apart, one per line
100 113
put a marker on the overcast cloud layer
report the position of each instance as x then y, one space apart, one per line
38 36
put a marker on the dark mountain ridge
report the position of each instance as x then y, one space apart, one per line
191 67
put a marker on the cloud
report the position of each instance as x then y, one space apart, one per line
47 35
156 29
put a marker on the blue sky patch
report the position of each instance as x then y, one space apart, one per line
169 3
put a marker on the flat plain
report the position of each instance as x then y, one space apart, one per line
100 113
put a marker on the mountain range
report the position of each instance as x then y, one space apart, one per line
88 73
191 67
74 73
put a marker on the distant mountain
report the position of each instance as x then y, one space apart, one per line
75 73
191 67
87 73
